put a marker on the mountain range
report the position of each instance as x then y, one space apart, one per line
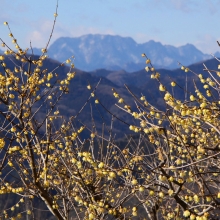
109 52
95 51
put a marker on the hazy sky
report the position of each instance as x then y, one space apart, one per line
174 22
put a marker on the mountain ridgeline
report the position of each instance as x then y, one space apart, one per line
120 53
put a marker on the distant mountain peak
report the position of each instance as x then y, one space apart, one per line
114 52
191 46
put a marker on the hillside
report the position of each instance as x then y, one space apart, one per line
138 82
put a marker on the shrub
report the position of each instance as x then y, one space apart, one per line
183 164
168 170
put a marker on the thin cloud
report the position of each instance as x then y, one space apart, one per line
213 6
192 6
118 10
185 6
40 35
207 44
182 5
14 6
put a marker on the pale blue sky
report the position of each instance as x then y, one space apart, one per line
174 22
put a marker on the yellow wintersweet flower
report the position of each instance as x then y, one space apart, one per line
147 61
162 88
2 142
186 213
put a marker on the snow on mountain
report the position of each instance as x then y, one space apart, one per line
115 52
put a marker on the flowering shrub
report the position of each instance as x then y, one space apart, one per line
183 164
171 171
